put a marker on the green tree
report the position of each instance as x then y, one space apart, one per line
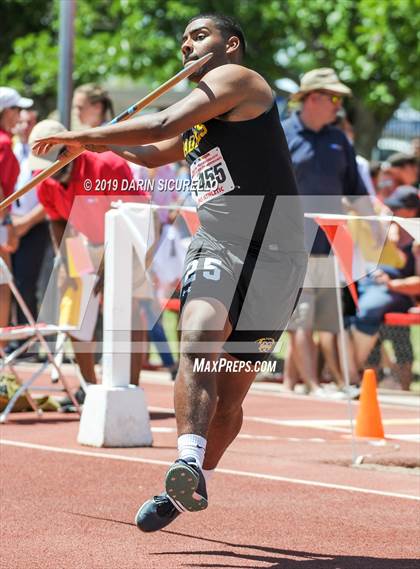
374 46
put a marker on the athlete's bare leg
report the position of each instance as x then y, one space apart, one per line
208 404
205 327
227 419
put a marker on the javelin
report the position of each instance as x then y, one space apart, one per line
141 104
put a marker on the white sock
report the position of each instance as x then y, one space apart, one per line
208 475
192 446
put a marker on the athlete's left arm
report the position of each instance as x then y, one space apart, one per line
221 90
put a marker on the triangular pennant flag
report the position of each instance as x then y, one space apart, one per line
342 244
191 219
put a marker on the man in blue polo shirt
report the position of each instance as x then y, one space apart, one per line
326 171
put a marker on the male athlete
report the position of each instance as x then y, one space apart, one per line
246 263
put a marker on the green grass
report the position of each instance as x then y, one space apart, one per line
170 322
415 342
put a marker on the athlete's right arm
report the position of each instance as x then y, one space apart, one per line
220 91
152 155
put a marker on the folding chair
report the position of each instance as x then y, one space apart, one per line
29 334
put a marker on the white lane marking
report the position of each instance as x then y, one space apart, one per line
308 422
334 425
248 437
315 423
154 409
163 429
312 440
326 425
257 437
407 421
262 389
275 478
405 437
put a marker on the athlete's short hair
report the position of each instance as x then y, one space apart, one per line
227 26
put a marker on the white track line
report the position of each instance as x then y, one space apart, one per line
270 390
334 425
413 438
109 456
170 430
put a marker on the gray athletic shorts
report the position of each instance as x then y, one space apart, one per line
259 291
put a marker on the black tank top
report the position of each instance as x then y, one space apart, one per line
243 181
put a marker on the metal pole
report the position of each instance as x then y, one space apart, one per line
66 41
344 356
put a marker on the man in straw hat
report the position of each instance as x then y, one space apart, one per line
245 265
326 171
323 80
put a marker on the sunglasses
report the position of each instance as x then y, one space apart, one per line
333 98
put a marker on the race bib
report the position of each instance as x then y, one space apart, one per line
210 177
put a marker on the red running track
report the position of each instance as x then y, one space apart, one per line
285 497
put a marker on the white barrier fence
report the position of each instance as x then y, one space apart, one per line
115 413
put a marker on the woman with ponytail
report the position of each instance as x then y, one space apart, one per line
93 105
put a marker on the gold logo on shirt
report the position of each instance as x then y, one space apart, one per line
265 344
199 131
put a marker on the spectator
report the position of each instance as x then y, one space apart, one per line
168 236
404 169
374 170
388 289
78 215
386 183
326 171
415 145
29 222
346 126
92 105
156 179
10 104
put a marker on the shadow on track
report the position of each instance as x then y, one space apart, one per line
101 518
159 415
280 558
58 418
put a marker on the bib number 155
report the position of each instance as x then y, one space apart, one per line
209 179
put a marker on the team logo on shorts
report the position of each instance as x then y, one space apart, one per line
266 344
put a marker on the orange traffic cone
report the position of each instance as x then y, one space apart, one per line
368 420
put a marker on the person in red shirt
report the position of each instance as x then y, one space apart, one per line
72 211
10 104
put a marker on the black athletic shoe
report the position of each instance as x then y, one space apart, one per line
80 397
67 405
186 485
155 514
